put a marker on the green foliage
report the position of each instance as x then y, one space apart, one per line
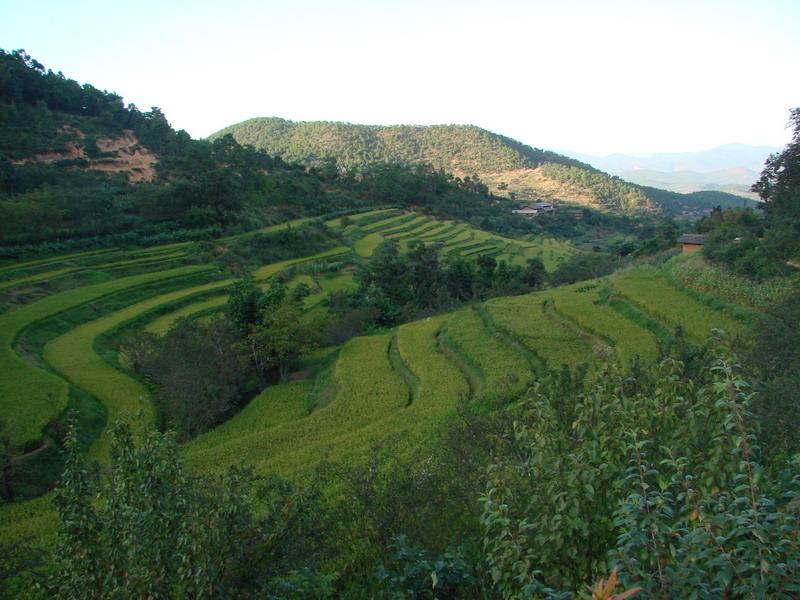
694 514
199 372
410 573
462 148
583 266
280 336
774 356
150 529
244 302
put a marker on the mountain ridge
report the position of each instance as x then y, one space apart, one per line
509 167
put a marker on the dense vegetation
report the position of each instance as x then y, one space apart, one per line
464 150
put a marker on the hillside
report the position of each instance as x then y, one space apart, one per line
65 316
510 168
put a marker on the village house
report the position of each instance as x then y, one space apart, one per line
690 242
535 209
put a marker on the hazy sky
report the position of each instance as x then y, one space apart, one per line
594 77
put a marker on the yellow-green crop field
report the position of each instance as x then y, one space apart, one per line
648 289
342 400
580 303
525 318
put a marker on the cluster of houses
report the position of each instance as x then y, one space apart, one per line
535 209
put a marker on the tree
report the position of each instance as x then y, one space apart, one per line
199 371
280 336
244 302
151 529
423 273
781 174
535 273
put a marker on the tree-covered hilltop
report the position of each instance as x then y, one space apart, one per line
462 149
510 168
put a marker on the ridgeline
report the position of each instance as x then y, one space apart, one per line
508 167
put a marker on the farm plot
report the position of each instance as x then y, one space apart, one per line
524 318
365 218
161 325
406 226
46 394
648 289
368 391
580 304
366 245
74 356
441 384
424 227
504 371
388 223
276 405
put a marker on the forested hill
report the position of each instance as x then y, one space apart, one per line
461 149
508 167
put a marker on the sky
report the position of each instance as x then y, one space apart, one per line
634 77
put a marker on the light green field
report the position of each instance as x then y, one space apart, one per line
26 264
161 325
44 394
366 245
276 405
387 223
4 285
441 384
73 355
503 369
525 319
583 307
405 226
648 289
368 391
363 217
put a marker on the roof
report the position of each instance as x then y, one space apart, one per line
692 238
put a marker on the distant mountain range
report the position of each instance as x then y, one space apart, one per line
509 167
730 168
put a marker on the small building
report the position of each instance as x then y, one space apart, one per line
690 242
534 210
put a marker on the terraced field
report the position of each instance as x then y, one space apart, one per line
396 386
456 239
649 290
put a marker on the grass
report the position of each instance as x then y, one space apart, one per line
44 394
524 319
648 289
